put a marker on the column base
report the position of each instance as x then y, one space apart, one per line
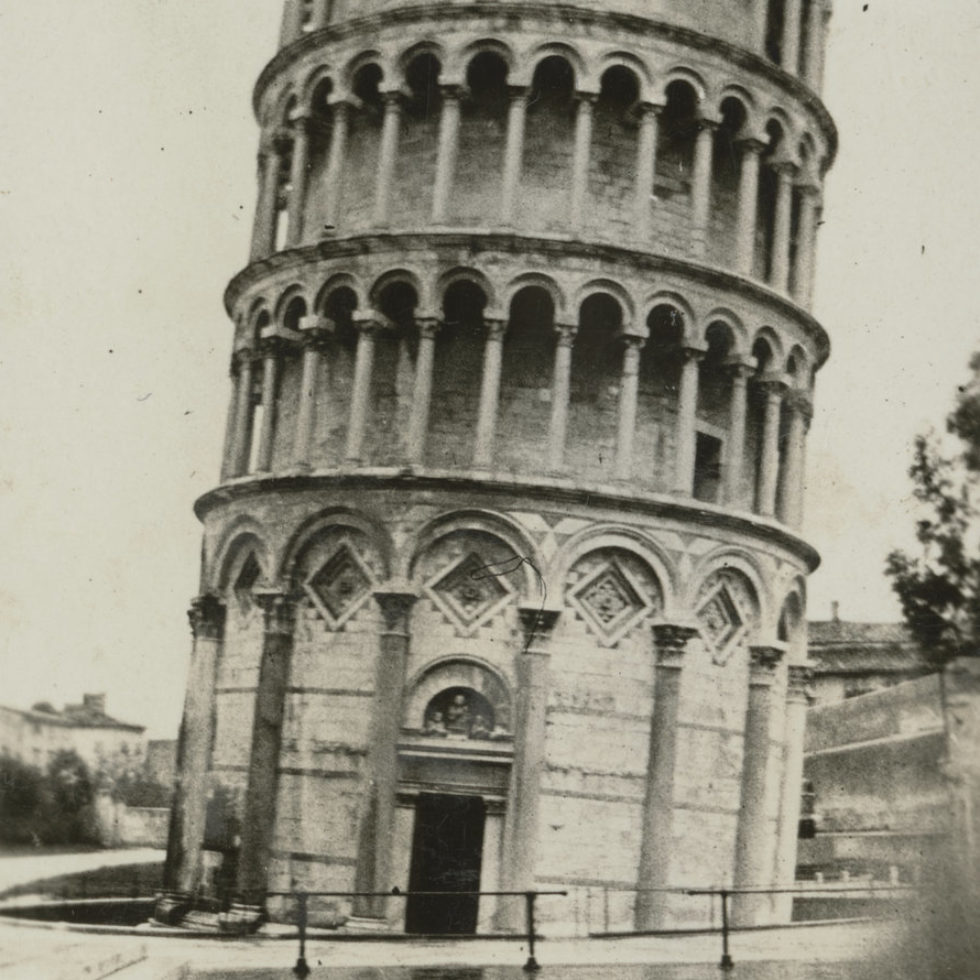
171 907
241 920
368 925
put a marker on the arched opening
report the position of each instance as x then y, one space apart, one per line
482 136
726 171
260 399
594 397
459 711
548 145
394 373
363 144
527 372
612 174
675 160
775 21
321 132
418 141
457 375
766 210
659 384
292 316
754 431
796 245
285 148
714 411
337 375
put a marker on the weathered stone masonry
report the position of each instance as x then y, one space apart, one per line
506 538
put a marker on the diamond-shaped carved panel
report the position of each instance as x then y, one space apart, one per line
611 601
340 584
470 589
719 618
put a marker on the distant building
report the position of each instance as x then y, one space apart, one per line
35 736
851 659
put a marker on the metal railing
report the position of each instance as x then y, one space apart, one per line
531 965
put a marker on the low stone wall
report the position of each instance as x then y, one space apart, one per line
118 825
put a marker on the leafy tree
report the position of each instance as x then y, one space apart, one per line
21 801
69 791
939 588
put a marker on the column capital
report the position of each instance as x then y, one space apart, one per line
690 352
707 124
276 338
633 341
207 617
801 403
751 143
740 367
496 328
566 333
671 640
647 109
536 621
583 99
798 680
785 167
774 387
518 93
396 600
452 92
371 322
429 326
278 611
315 332
763 661
301 121
392 98
240 357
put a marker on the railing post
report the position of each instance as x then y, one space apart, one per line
302 969
726 960
531 966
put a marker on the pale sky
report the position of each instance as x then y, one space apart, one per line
127 186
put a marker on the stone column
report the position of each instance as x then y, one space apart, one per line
646 164
267 209
513 155
374 856
792 24
628 390
299 176
816 82
315 339
814 39
493 831
701 185
292 22
755 836
278 611
360 399
581 159
791 486
336 161
321 11
228 446
418 423
737 416
270 351
779 278
242 435
797 702
560 396
652 907
448 151
806 241
523 798
748 205
486 423
187 816
769 463
760 12
387 157
687 409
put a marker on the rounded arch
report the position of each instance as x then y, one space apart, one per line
798 367
317 87
329 519
459 672
463 60
342 280
287 298
564 52
611 288
427 47
473 276
242 537
792 626
739 94
667 297
689 77
734 325
623 538
506 530
402 276
536 280
767 341
732 559
365 59
635 66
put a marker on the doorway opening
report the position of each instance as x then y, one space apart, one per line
446 857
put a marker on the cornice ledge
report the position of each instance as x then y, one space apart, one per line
562 14
551 489
484 241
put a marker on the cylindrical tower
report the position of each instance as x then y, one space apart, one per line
502 586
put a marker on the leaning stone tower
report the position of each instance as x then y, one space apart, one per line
502 586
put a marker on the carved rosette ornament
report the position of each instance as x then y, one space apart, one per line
671 641
207 617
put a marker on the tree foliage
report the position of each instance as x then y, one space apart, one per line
939 587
